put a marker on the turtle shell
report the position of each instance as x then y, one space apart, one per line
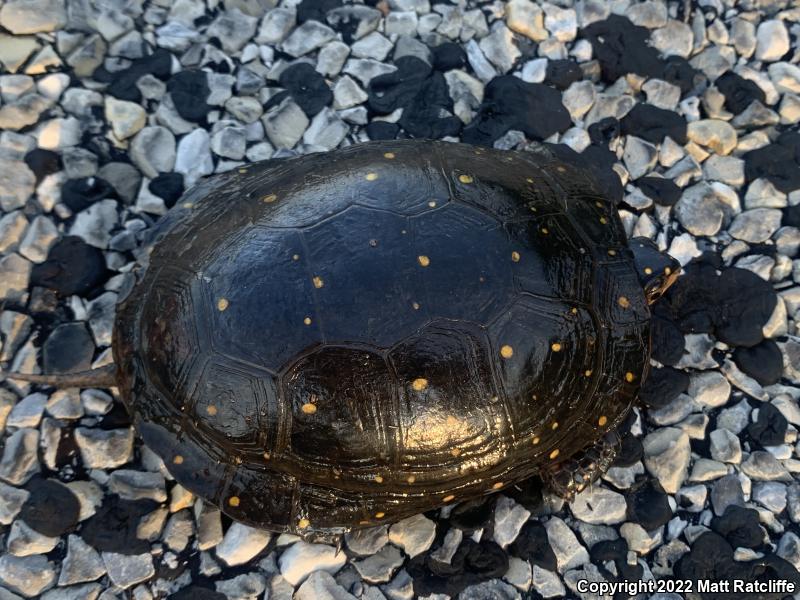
337 340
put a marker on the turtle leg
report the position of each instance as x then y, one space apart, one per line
571 476
656 270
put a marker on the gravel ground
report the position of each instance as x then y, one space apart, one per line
687 112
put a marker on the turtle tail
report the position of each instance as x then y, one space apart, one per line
105 376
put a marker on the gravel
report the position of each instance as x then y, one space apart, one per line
108 113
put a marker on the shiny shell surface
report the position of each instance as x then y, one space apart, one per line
342 339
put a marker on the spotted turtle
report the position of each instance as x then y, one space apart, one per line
344 339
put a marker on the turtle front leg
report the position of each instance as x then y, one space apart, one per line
571 476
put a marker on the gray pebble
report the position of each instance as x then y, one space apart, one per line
321 586
380 567
414 534
241 543
104 449
82 563
137 485
28 411
569 552
28 575
127 570
367 541
20 461
666 456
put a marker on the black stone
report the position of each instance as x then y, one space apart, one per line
776 162
68 349
510 103
648 505
653 124
472 514
168 187
113 527
734 305
472 563
122 84
603 131
532 544
315 10
43 162
660 190
422 94
621 48
562 73
770 427
662 386
738 91
79 194
194 592
763 362
307 87
72 267
189 91
667 339
677 71
739 526
51 509
630 452
381 130
447 56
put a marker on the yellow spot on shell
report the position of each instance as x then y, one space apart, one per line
623 302
318 283
588 372
574 310
233 500
497 485
270 198
419 384
560 169
295 257
222 304
536 439
545 231
432 203
554 453
178 460
602 421
188 205
415 305
667 270
411 479
378 479
423 260
629 377
309 408
303 523
506 351
465 178
515 256
529 179
603 220
455 451
555 347
648 271
612 252
554 426
598 204
448 498
307 320
242 171
371 176
211 409
380 515
388 155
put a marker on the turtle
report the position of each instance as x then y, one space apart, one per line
344 339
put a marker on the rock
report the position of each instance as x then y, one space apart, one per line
276 25
82 563
414 534
772 40
331 58
654 124
347 93
381 566
29 575
648 505
763 466
547 583
127 570
648 14
662 94
704 208
533 545
789 548
500 49
24 541
763 362
285 124
568 550
493 588
229 142
72 267
126 118
17 183
153 151
326 130
562 23
95 223
756 225
771 495
710 388
526 18
715 134
598 505
367 541
51 509
241 543
246 586
639 156
785 76
11 501
39 237
135 485
509 517
309 36
104 449
666 456
193 157
321 586
33 16
27 412
579 98
20 461
301 559
725 446
233 29
638 539
769 429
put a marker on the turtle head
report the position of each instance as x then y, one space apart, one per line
657 270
